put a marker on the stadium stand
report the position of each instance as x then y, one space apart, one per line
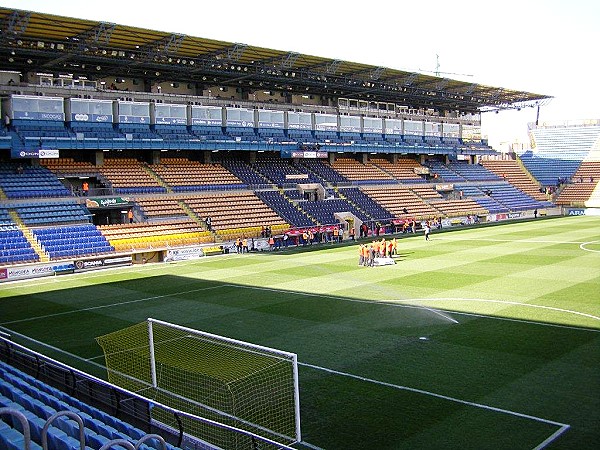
441 172
50 213
160 207
512 198
182 175
324 172
14 246
517 175
73 240
473 172
549 171
129 237
245 172
403 169
281 173
361 173
53 419
24 181
234 214
324 210
283 204
564 141
365 203
583 187
402 202
129 176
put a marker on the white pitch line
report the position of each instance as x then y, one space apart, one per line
92 308
503 302
583 244
414 303
516 240
56 349
552 437
314 447
406 304
441 396
531 322
356 300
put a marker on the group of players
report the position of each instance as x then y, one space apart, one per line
376 249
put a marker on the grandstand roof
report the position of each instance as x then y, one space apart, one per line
48 43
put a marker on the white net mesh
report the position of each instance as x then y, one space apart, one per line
232 382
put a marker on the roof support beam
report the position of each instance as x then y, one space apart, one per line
289 60
169 45
332 67
17 23
100 34
377 73
235 53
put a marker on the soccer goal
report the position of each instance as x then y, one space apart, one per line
236 383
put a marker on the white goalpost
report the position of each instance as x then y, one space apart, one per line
236 383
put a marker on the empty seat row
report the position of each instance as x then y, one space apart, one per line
45 400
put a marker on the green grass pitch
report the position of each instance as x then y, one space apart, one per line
480 338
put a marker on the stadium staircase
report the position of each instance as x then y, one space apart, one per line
295 206
196 218
357 206
287 207
517 175
387 172
158 179
524 168
29 236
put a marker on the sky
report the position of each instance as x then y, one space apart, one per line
547 47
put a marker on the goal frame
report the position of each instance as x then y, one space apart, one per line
288 355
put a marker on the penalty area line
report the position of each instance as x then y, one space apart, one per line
93 308
347 299
583 245
562 426
516 240
53 348
503 302
416 304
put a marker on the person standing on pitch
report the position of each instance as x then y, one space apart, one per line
427 231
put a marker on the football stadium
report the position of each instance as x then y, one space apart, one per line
213 245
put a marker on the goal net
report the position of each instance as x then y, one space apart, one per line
239 384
